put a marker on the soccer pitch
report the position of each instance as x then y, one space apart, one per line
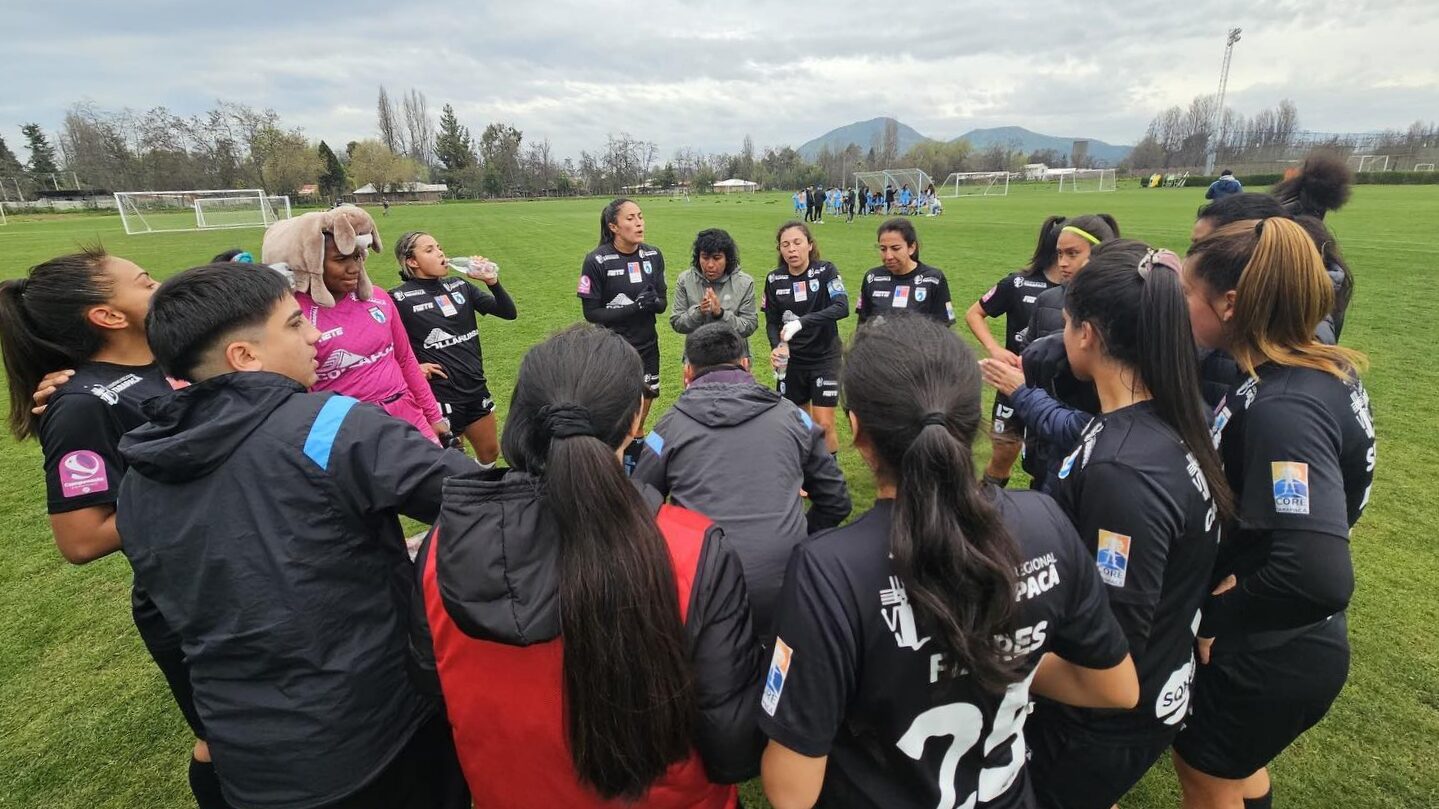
88 721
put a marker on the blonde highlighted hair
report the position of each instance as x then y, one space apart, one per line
1281 293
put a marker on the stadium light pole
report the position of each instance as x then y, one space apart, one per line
1218 132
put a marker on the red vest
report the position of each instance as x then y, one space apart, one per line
506 705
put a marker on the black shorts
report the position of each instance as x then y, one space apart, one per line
811 386
164 647
1003 422
1071 768
1249 705
462 414
650 357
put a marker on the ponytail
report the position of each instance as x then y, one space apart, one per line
43 326
405 249
1281 292
609 216
1133 298
1046 249
627 722
920 411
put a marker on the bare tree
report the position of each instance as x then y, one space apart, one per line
419 128
388 122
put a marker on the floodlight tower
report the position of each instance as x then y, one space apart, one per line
1219 108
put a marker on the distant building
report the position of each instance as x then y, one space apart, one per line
405 192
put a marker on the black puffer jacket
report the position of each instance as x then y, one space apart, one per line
1048 315
498 574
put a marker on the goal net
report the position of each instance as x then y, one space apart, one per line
1083 180
2 214
1370 162
977 184
173 211
917 180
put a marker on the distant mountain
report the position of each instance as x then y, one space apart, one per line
866 133
862 134
1033 142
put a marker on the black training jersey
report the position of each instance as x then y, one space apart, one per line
923 291
1014 297
439 316
614 280
80 431
1144 509
855 676
1299 452
818 298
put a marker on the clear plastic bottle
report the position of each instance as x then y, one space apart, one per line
781 361
463 265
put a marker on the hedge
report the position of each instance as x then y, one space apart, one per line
1360 178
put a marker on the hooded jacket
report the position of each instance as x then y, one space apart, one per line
1226 186
740 454
263 522
489 577
736 294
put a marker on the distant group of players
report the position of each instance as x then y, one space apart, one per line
578 629
812 203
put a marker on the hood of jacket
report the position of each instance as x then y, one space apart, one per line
726 399
497 556
195 429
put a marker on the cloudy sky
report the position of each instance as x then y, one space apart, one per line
703 74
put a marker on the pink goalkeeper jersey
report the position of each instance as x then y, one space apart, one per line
364 352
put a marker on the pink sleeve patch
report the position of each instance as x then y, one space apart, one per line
584 285
82 472
988 295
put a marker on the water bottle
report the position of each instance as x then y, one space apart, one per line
463 265
781 365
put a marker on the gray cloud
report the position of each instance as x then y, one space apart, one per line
703 74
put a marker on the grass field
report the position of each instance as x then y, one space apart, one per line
87 720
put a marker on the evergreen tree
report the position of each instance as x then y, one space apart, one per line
9 163
333 181
454 149
42 154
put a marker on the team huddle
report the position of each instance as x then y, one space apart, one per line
632 616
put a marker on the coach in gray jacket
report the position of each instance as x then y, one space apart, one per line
739 453
714 289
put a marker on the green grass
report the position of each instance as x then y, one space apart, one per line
87 721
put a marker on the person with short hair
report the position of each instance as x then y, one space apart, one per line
740 454
714 289
1226 186
264 522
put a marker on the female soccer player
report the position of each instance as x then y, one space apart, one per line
439 315
363 350
1146 491
1013 296
622 288
1077 236
973 585
1297 439
612 633
714 288
86 311
803 300
903 283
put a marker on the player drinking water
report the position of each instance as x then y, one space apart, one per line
439 315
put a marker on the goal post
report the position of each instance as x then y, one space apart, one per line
917 180
1088 181
176 211
976 184
2 214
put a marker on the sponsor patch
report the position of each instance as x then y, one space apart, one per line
637 275
801 291
986 296
1019 282
778 671
82 472
447 306
1172 704
901 298
1291 486
422 307
1113 557
584 287
949 310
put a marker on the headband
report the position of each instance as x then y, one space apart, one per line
1081 233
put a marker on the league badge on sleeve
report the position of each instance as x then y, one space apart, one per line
82 472
584 288
1291 486
836 286
990 294
774 680
1113 557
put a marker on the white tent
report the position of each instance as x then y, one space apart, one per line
735 185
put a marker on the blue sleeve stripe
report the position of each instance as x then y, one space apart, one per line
655 442
327 425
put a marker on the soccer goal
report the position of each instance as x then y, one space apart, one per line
917 180
1370 162
977 184
2 214
174 211
1417 167
1084 180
